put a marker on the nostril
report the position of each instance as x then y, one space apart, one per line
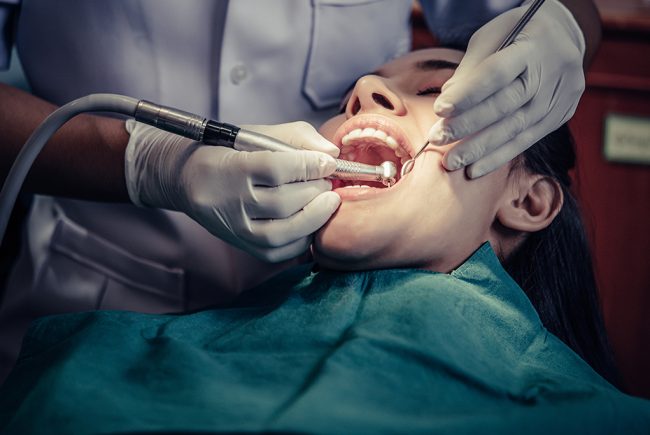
356 106
383 101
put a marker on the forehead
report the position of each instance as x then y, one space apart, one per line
410 61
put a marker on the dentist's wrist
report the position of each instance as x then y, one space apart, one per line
154 161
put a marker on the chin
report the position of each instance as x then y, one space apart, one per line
343 250
333 251
338 247
354 251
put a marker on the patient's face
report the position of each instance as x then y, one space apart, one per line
431 218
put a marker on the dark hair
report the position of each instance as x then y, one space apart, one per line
554 267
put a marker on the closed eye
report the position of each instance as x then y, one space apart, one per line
429 91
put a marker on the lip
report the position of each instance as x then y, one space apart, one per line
378 122
360 193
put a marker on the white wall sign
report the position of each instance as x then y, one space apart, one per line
627 139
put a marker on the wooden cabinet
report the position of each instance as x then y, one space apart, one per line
616 196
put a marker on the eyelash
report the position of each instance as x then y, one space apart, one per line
429 90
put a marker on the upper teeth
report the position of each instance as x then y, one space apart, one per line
368 133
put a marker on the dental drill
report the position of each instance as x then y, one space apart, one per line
211 132
169 119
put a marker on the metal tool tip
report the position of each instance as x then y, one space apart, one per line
389 173
389 168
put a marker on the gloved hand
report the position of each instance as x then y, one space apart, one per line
500 104
266 203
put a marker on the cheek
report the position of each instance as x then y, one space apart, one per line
421 109
480 199
454 214
328 129
335 239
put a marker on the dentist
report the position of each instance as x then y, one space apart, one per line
241 62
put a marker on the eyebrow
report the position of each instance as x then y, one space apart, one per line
435 64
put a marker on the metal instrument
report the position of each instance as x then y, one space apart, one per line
216 133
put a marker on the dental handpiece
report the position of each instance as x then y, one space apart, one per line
216 133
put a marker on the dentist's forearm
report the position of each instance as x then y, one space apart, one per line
84 159
587 17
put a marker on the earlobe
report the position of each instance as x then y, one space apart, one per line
533 206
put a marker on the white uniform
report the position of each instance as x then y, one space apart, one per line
272 62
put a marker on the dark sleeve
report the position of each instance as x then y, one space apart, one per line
8 15
454 22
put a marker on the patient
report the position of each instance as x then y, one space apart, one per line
435 219
408 322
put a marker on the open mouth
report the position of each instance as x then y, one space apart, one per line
371 140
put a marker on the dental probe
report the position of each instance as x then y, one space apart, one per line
509 39
216 133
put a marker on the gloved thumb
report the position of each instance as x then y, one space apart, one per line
274 169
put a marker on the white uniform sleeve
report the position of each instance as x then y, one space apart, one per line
7 16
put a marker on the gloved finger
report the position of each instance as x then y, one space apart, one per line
282 201
491 75
492 137
268 168
306 137
280 232
489 111
299 134
484 42
508 151
282 253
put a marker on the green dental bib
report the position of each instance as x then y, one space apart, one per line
381 351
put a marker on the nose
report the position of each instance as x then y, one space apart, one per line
372 94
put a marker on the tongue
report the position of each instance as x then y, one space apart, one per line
337 184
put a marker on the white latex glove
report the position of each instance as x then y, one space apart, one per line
266 203
500 104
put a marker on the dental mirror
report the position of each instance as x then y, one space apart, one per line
408 165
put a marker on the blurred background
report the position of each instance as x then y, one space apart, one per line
612 131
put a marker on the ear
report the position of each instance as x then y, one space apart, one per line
533 204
